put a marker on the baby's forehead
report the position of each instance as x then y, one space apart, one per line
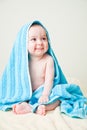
36 28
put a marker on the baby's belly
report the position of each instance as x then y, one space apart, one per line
37 85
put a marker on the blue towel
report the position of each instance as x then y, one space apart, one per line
15 84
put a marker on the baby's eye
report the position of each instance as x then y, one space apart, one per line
33 39
44 38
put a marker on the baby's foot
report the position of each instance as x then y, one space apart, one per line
41 110
22 108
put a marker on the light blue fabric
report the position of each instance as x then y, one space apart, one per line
15 84
73 103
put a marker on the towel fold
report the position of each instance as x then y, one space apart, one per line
15 84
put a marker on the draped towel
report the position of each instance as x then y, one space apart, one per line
15 83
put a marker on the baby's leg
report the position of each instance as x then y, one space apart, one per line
22 108
42 109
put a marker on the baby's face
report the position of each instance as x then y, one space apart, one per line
37 41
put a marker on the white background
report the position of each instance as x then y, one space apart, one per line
66 21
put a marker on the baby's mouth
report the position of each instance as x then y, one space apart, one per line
38 48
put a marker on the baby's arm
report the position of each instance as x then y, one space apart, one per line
49 77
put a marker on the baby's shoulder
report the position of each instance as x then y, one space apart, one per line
48 58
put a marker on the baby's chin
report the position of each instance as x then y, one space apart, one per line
39 52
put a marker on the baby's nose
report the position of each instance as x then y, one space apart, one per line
39 42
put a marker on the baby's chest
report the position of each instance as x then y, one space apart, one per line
38 70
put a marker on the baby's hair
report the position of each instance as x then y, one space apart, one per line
36 23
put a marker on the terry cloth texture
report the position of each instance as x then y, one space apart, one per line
15 84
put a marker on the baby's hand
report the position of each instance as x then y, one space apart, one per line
43 99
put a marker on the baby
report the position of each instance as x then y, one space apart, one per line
41 69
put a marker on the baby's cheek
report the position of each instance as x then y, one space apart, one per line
47 46
31 49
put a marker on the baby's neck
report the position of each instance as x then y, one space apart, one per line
36 58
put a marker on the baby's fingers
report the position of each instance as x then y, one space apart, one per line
43 100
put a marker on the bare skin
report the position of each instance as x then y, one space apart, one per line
37 48
42 109
25 108
22 108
